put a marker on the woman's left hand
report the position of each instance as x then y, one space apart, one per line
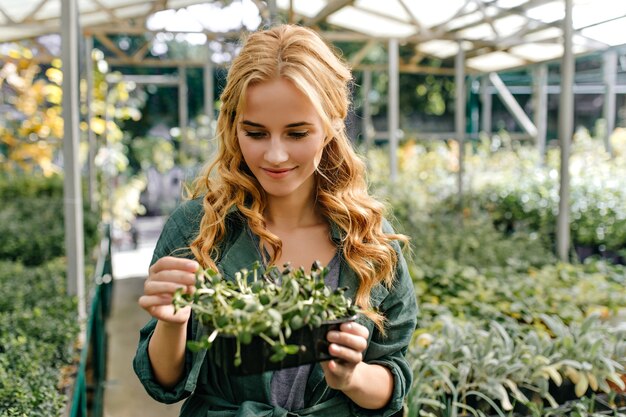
347 346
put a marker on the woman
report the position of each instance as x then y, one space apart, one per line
286 186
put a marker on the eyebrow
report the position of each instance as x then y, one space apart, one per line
297 124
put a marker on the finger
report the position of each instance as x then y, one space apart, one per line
344 356
149 301
333 368
171 262
174 276
168 314
355 328
163 287
348 340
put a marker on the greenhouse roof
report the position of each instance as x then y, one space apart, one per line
495 34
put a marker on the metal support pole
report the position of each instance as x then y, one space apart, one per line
512 105
273 8
73 202
393 107
608 110
290 12
91 136
566 121
183 113
459 114
540 105
487 106
366 122
209 96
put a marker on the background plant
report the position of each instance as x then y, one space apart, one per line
38 328
501 322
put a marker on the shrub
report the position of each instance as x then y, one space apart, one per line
38 326
32 220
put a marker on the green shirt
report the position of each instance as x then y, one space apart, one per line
210 392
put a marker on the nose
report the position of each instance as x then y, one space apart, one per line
276 153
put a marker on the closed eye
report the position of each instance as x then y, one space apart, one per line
299 134
254 134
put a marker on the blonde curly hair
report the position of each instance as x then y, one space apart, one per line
297 54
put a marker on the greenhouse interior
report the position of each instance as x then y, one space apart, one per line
493 132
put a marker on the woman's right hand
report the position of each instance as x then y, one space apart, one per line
165 277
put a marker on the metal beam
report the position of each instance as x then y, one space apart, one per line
412 18
512 105
540 107
106 10
435 32
175 63
566 122
143 51
111 46
120 7
409 69
31 15
608 109
362 53
393 108
459 114
330 8
502 13
161 80
128 29
488 19
73 202
159 63
556 89
7 17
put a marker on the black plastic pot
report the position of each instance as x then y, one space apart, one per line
255 355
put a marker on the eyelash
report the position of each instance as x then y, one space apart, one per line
259 135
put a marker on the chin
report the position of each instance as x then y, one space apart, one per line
278 193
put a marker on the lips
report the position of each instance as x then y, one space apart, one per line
277 173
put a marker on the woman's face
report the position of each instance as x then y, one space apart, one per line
281 137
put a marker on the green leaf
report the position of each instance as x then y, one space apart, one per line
291 349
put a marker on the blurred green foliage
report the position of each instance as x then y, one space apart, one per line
502 324
38 328
32 219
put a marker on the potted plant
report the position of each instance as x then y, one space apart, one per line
271 320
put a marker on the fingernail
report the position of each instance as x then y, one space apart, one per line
193 264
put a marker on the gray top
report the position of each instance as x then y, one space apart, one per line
288 384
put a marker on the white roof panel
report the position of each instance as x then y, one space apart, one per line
495 61
370 23
612 33
496 34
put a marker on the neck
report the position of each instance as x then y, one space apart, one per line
290 213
